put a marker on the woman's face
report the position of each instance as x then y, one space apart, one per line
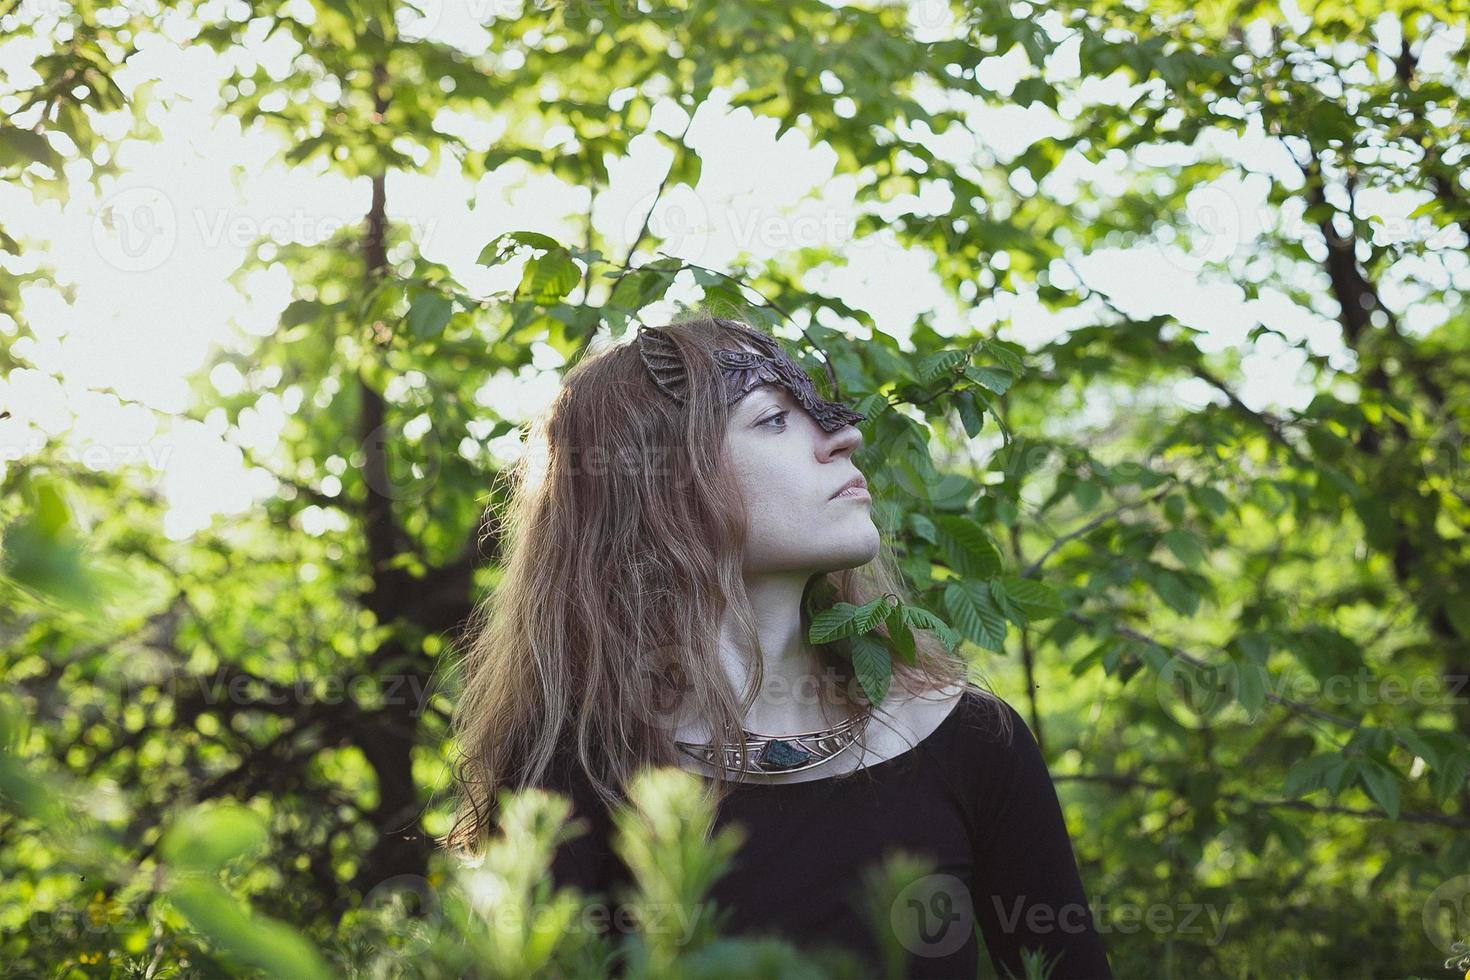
789 468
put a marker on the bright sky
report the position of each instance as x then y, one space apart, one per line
151 255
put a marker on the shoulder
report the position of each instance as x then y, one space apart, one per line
986 742
985 721
963 723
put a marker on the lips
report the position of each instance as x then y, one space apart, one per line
856 481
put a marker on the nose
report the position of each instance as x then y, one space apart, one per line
844 440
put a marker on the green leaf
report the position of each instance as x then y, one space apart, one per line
1418 745
1036 600
1185 547
1031 90
997 379
310 147
551 277
503 247
1003 602
970 415
1250 686
1006 353
1255 647
923 527
1381 784
941 363
429 314
1339 776
976 615
1208 498
871 664
271 946
1311 774
1458 612
921 618
1087 493
1173 589
1174 508
209 836
867 616
833 624
901 636
16 143
1449 777
301 311
1093 657
967 548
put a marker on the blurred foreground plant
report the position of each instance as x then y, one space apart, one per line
187 906
500 918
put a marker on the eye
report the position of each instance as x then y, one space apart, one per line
778 416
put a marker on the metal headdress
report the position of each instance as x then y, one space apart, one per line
743 371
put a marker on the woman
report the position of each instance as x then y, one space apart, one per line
699 503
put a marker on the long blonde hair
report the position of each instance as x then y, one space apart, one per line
621 559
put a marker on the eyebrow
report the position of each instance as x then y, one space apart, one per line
766 396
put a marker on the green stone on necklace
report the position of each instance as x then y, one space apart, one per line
781 754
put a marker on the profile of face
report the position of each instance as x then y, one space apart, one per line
789 469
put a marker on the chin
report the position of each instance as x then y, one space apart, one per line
832 549
859 549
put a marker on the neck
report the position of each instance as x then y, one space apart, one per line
788 700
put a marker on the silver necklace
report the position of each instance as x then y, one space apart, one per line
781 753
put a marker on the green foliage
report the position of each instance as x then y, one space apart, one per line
1242 631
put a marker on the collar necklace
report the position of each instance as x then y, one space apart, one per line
781 753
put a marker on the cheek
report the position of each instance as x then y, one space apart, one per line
768 495
773 495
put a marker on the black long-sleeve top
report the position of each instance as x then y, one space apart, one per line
980 805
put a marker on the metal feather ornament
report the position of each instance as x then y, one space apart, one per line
661 356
